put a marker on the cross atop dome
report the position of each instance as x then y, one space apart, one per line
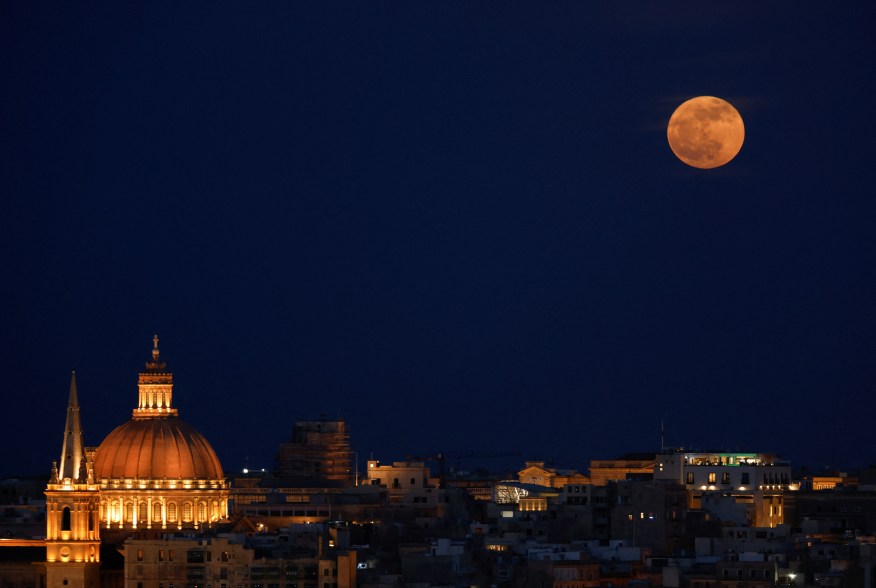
156 366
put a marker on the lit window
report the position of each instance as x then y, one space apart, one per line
712 477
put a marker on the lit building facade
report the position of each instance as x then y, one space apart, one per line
603 471
219 562
180 561
723 471
406 481
72 502
757 482
535 472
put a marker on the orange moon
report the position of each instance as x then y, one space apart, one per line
705 132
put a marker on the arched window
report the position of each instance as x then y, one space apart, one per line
202 511
143 512
171 512
129 512
156 512
65 519
187 512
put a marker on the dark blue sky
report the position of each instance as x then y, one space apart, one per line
457 225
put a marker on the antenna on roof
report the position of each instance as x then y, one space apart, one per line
662 433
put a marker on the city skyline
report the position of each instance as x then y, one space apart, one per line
470 458
456 227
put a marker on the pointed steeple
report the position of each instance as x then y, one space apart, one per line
73 451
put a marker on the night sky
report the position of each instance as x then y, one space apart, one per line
457 225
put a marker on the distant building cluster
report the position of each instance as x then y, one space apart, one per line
151 507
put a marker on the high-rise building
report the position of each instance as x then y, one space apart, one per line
318 452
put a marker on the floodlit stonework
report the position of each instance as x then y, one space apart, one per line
72 497
156 471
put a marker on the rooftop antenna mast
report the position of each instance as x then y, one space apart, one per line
662 434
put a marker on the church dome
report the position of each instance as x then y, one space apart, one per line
156 448
157 471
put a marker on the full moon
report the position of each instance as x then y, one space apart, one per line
705 132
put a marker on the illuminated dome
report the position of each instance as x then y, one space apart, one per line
157 471
156 448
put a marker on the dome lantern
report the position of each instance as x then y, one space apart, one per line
156 388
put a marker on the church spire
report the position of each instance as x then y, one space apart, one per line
73 451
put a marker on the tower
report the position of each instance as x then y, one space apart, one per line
319 451
72 511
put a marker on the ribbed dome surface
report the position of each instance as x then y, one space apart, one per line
156 448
